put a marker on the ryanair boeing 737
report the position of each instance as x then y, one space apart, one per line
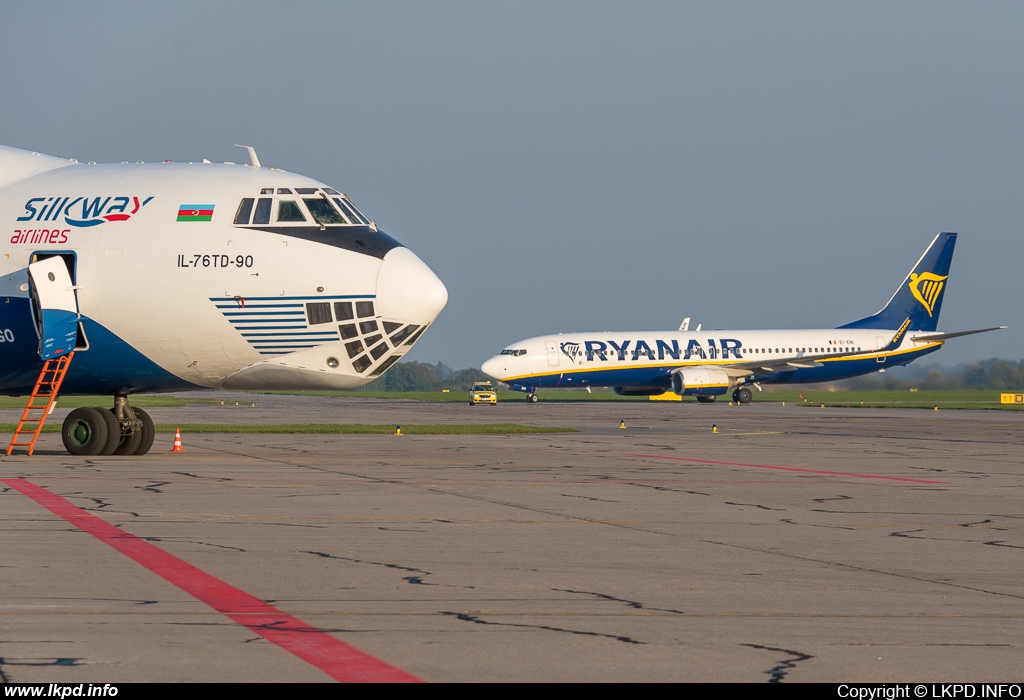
709 364
167 276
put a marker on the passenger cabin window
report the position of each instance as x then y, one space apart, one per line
364 309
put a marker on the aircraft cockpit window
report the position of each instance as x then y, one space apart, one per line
244 211
364 309
267 190
331 190
350 211
513 353
367 326
379 350
305 190
390 327
348 331
283 190
323 212
262 215
288 212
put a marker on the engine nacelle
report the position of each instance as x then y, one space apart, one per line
639 391
699 381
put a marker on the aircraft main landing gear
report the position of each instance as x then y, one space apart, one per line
531 397
706 399
121 430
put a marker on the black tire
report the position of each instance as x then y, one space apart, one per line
85 431
532 398
113 432
706 399
148 432
127 444
744 395
736 395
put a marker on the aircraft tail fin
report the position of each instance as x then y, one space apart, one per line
919 297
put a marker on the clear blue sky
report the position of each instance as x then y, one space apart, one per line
585 165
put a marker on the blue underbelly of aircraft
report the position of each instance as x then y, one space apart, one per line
660 376
109 366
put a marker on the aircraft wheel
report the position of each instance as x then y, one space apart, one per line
744 395
532 398
706 399
127 444
736 395
113 432
85 431
148 431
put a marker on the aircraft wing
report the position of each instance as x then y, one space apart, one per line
747 368
933 337
778 364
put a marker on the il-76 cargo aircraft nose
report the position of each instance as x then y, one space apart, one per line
408 290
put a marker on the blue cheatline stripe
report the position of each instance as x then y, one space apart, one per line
259 306
265 313
269 328
285 349
299 334
316 298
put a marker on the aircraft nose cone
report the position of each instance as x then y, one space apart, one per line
408 290
492 368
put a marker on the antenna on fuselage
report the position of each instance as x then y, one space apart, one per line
685 325
254 160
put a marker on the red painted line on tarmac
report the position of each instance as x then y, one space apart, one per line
335 658
794 469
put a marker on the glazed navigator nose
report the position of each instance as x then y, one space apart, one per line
408 290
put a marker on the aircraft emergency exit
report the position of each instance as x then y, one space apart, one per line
708 364
174 276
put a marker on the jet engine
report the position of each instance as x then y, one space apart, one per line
699 381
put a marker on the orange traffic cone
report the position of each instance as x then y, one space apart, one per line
177 441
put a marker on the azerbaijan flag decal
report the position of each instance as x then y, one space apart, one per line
195 212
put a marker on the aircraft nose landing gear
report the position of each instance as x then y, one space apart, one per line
121 430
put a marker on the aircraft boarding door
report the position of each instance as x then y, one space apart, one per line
552 347
881 343
54 306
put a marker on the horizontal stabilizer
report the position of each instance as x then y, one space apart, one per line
933 337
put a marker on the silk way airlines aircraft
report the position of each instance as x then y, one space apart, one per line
711 363
174 276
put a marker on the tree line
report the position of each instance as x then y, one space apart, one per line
420 376
994 375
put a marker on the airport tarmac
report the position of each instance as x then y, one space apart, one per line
795 544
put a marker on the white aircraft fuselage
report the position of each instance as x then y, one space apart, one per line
203 275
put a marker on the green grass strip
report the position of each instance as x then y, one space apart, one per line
330 429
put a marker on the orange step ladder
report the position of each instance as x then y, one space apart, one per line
35 414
